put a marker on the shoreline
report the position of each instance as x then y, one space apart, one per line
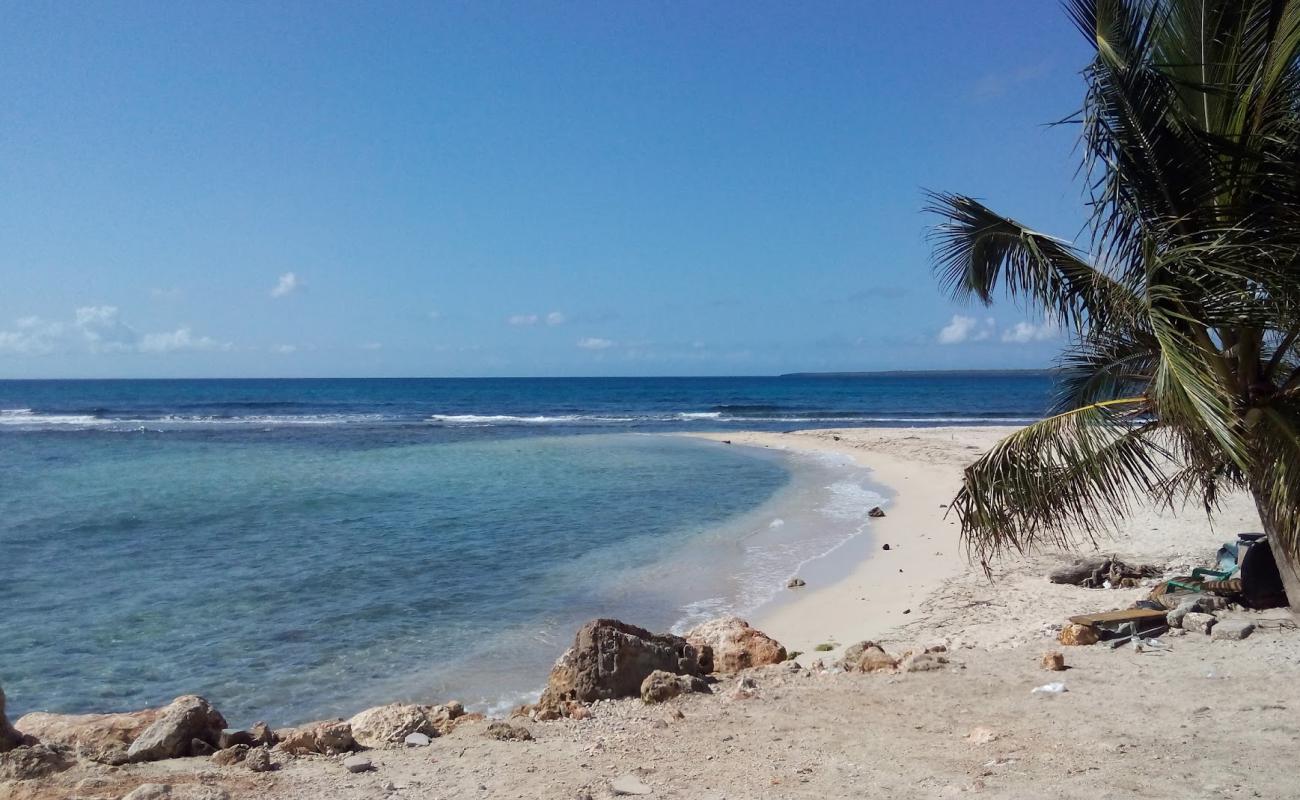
882 589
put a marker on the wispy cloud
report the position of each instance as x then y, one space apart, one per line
168 294
372 346
595 343
556 318
435 315
522 320
284 349
999 84
287 285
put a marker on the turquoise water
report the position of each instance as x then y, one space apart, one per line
300 549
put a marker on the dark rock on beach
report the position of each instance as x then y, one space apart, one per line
610 659
171 735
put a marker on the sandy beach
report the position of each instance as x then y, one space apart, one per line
1196 718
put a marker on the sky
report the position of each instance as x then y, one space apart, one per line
297 189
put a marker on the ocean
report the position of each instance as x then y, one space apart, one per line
298 549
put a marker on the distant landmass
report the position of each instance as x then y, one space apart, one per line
920 372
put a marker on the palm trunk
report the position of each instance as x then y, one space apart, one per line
1282 543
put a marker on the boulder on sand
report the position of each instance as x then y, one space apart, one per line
391 724
867 657
328 737
729 644
95 737
184 720
610 659
659 686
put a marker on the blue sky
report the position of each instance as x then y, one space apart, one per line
550 188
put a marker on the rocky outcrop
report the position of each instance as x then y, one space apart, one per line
391 724
504 731
34 761
184 720
95 737
610 659
329 737
867 657
729 644
9 736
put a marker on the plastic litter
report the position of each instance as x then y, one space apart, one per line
1050 688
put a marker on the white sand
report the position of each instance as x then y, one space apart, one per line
1201 719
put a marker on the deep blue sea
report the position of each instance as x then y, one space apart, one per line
294 549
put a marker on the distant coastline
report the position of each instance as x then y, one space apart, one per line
932 373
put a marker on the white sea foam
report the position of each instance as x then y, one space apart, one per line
25 417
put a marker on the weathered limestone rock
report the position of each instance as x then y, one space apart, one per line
1053 661
923 662
30 762
357 764
867 657
659 686
391 724
95 737
729 644
1232 630
262 735
230 756
610 659
417 740
628 785
795 583
187 718
1075 635
259 760
504 731
328 737
1196 622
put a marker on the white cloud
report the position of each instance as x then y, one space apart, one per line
284 349
522 320
595 343
166 294
288 284
97 329
1025 332
556 318
966 329
372 346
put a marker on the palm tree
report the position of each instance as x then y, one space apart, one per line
1182 378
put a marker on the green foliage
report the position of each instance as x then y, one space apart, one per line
824 647
1183 306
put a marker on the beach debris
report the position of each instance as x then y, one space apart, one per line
327 737
610 659
392 723
660 686
229 756
907 611
357 764
867 657
730 644
1096 573
876 511
885 546
33 761
505 732
259 760
417 740
1076 635
628 785
1197 622
824 647
1050 689
1232 630
982 735
171 735
1053 661
795 583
